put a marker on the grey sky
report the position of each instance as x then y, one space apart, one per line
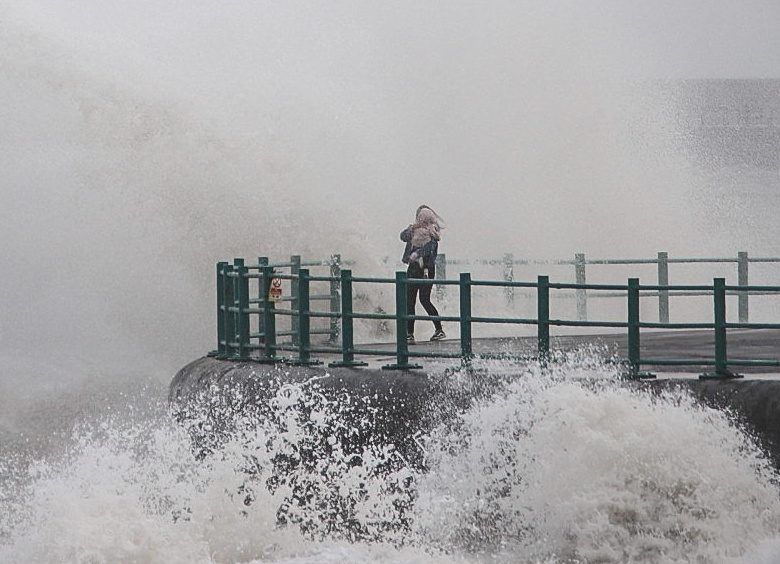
701 38
659 38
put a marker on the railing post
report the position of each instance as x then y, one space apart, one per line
269 317
220 350
295 269
509 275
401 318
231 320
633 328
335 301
347 331
543 318
242 315
663 280
466 351
304 319
719 293
441 274
228 301
742 280
261 261
634 347
721 355
581 294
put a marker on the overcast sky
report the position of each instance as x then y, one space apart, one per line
658 38
700 38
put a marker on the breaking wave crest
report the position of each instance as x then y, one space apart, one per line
561 465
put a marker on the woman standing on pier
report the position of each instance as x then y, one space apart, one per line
422 245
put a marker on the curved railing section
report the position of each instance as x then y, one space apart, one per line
249 296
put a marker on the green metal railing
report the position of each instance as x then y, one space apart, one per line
229 292
508 263
237 313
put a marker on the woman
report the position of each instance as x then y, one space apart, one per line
422 245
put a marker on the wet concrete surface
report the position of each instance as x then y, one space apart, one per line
752 344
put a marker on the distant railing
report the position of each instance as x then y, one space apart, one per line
236 310
508 263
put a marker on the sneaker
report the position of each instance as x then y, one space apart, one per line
438 335
410 340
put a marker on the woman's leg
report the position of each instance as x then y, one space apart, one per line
411 297
425 300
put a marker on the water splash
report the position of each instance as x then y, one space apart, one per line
560 466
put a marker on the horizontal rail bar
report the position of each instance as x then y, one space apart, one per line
752 326
700 260
254 310
572 323
770 289
618 261
434 318
505 320
235 345
654 325
376 352
260 276
278 334
648 294
287 312
374 280
372 316
677 361
325 350
280 265
326 314
441 354
678 287
287 348
483 262
321 298
754 362
430 282
573 286
324 262
503 283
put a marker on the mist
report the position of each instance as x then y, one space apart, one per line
144 141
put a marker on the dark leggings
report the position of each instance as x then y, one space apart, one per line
414 271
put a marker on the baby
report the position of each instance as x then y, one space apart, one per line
422 239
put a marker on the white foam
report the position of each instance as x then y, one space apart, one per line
559 467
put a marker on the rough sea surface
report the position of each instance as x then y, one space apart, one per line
557 466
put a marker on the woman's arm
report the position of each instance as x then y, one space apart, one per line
406 234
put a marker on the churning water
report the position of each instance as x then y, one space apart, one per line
560 466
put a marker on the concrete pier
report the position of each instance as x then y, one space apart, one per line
403 404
